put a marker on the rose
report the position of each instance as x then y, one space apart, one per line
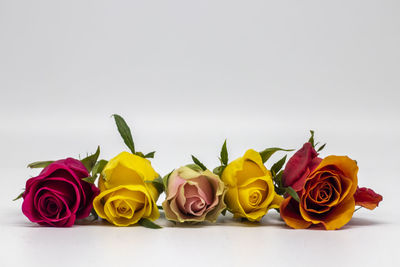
250 192
58 195
367 198
327 196
126 192
299 166
193 195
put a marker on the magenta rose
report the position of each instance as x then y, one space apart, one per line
59 196
299 166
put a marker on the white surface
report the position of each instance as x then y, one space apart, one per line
186 75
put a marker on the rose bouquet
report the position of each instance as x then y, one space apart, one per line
308 190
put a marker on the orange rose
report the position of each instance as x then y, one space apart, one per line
327 196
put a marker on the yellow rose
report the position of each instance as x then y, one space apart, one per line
125 196
250 191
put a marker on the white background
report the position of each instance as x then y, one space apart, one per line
186 75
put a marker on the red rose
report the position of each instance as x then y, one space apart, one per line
367 198
58 195
299 166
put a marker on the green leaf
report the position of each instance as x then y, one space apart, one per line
150 155
91 160
40 164
268 152
19 196
224 154
279 190
292 193
198 163
98 168
278 178
219 170
165 179
148 224
194 167
125 132
311 140
278 165
90 179
140 154
158 184
321 147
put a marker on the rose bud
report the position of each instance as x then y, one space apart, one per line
299 166
367 198
126 192
250 191
193 195
327 196
59 196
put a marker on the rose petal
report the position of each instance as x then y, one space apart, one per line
169 214
91 191
339 215
250 169
28 206
245 201
297 166
66 189
213 214
174 184
43 205
299 183
203 188
367 198
345 165
236 167
195 206
290 213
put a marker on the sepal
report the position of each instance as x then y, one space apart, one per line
149 224
198 163
40 164
268 152
90 161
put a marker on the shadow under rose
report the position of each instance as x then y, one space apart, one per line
354 223
91 221
272 219
361 222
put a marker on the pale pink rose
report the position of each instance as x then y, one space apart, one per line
193 195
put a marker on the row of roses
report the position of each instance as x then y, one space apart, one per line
308 190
